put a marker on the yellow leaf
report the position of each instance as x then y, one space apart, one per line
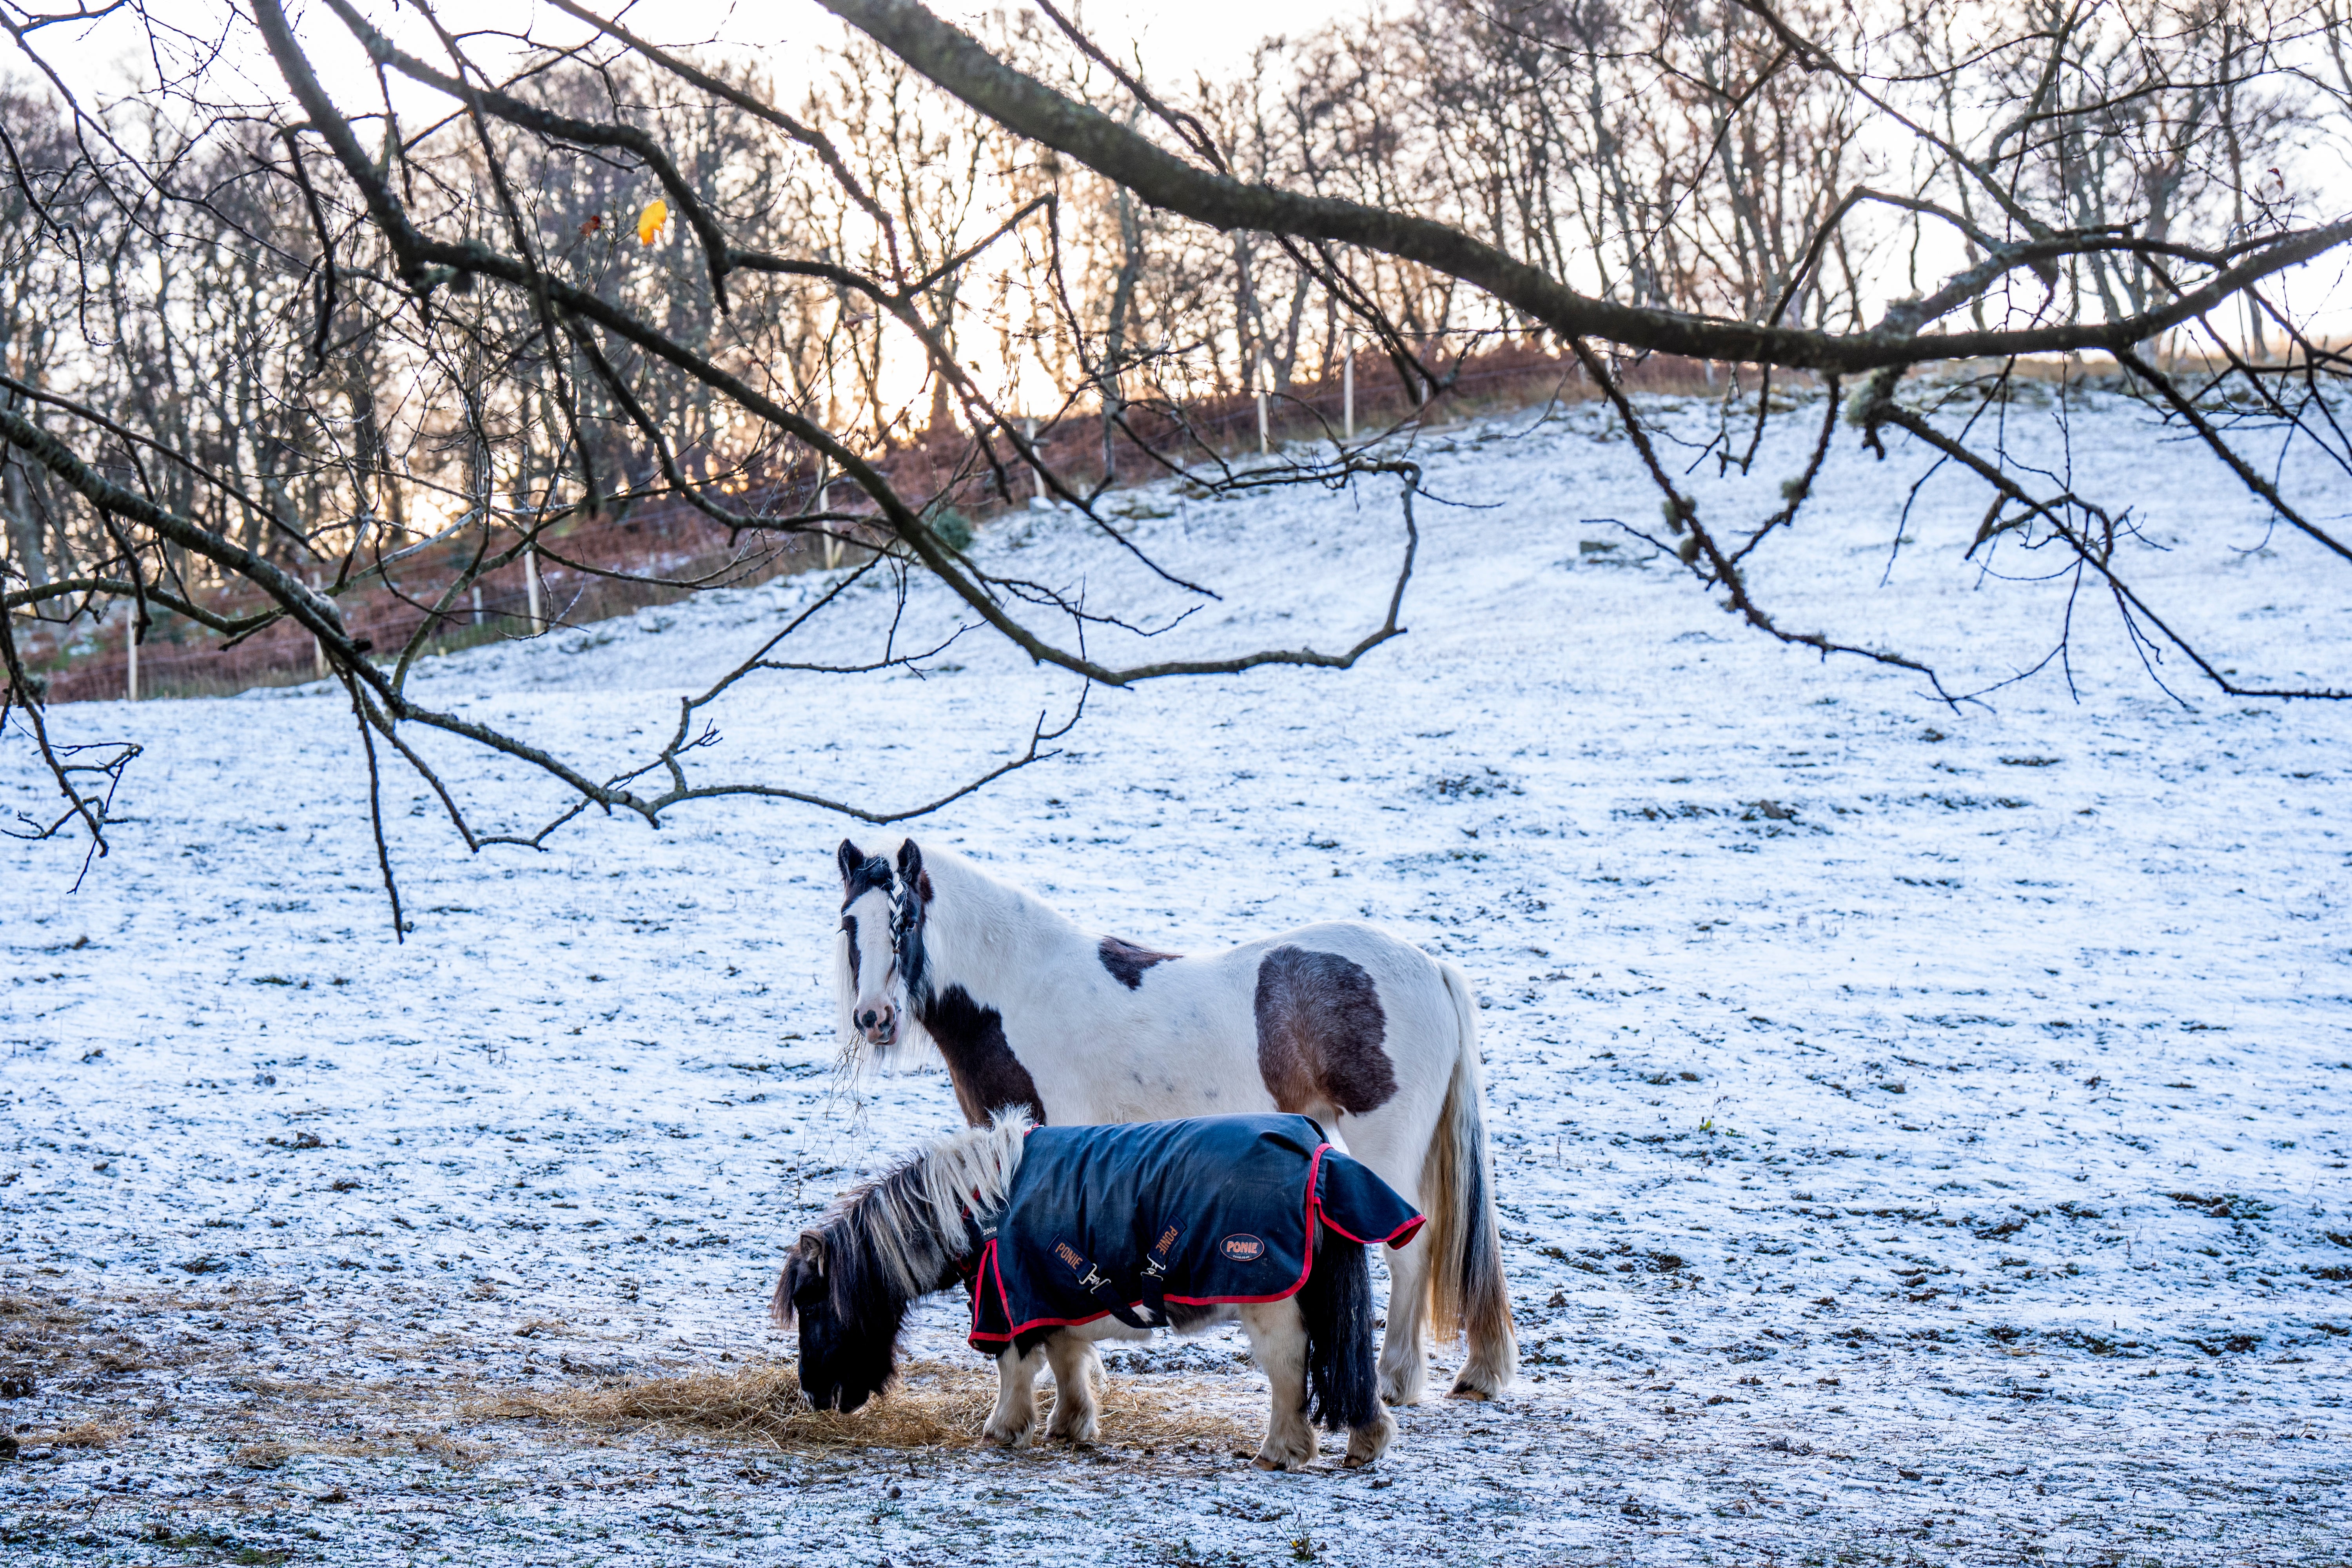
650 221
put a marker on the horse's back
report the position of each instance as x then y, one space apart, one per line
1374 948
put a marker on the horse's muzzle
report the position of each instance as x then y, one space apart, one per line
879 1024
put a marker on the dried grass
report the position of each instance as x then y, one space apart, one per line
932 1406
263 1456
82 1435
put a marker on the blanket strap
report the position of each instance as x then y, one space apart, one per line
1099 1285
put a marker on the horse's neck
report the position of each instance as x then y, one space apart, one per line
997 941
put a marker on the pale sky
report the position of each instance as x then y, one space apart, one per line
102 60
1176 40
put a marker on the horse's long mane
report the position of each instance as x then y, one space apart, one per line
906 1227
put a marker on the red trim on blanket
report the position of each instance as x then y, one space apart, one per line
1313 1169
978 1283
977 1338
1406 1231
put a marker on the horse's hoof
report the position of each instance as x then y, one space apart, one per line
1464 1391
1263 1463
1400 1393
1352 1462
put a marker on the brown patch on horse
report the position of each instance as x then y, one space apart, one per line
1127 961
986 1074
1319 1033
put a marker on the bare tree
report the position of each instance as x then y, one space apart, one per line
2187 60
313 342
287 346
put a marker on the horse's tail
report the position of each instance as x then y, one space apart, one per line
1467 1293
1336 1304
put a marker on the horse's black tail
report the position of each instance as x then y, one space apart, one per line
1342 1384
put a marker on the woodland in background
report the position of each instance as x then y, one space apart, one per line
264 360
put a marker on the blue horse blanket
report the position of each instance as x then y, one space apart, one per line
1121 1221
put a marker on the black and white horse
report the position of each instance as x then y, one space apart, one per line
1343 1022
884 1244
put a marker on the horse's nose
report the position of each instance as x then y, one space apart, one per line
880 1023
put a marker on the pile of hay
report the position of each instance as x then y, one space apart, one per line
932 1406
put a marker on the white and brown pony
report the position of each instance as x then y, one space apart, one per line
1343 1022
886 1244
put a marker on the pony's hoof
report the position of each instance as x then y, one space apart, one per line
1353 1462
1468 1390
1263 1463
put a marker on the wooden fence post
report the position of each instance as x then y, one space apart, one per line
318 651
531 587
1263 444
821 504
1347 389
131 642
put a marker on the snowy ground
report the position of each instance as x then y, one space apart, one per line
1921 1131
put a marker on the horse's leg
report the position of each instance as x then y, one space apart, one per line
1277 1337
1404 1363
1076 1363
1015 1415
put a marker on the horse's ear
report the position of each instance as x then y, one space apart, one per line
851 857
811 1247
910 869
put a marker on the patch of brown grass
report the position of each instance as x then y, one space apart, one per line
45 1311
266 1455
932 1406
82 1435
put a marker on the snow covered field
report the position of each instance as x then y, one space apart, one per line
1922 1132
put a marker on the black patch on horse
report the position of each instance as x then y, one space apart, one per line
849 929
1127 961
860 873
986 1074
1319 1033
906 928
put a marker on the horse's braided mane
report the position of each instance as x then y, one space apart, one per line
908 1224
